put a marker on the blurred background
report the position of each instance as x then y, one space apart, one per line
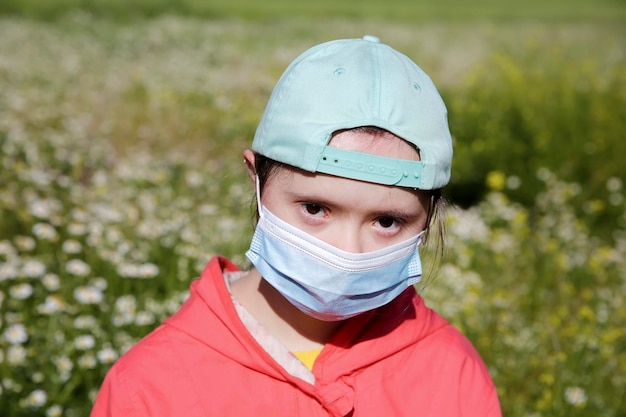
121 131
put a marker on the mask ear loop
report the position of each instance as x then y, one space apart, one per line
257 187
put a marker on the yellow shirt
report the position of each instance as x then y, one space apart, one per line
308 357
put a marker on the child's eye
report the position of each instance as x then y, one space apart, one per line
313 209
387 222
389 225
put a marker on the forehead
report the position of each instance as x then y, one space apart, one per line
377 142
355 192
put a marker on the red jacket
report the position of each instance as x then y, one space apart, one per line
400 360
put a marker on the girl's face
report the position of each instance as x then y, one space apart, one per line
351 215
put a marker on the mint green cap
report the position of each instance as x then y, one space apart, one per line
350 83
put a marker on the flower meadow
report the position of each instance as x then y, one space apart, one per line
121 176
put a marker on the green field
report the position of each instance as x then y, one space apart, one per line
393 10
121 131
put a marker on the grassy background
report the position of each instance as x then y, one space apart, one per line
121 131
401 10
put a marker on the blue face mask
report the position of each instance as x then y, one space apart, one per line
326 282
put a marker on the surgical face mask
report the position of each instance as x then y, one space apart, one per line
326 282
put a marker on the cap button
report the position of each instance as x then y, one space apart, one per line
371 38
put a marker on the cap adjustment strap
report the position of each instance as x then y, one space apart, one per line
370 168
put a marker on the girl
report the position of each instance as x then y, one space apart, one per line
348 163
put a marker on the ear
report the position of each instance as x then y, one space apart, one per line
249 159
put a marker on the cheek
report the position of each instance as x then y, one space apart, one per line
278 203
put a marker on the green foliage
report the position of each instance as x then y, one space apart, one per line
554 109
403 10
121 175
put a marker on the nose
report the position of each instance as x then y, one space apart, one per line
348 239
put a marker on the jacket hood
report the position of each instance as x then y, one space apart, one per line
358 343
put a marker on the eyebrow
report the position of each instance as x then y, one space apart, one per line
397 214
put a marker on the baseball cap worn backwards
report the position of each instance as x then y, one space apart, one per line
350 83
